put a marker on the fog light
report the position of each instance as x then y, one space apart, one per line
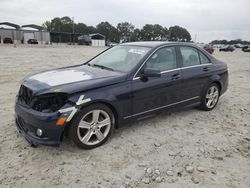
39 132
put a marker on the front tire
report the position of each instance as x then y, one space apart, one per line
211 97
92 126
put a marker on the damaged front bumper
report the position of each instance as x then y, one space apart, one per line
28 121
46 128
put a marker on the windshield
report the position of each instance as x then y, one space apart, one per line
120 58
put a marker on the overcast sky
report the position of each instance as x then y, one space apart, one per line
208 19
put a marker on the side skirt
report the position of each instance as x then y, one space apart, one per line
162 107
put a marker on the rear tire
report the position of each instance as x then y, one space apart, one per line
92 126
210 97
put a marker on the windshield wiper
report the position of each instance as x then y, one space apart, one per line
102 67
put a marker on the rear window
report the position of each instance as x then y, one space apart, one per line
204 59
190 56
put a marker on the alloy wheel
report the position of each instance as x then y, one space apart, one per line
212 97
94 127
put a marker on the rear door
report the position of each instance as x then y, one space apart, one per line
157 92
196 70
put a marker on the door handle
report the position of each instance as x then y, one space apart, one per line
205 69
176 76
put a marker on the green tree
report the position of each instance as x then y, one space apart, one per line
109 31
67 24
147 32
64 24
125 31
177 33
66 20
159 33
151 32
136 35
91 29
81 28
56 24
47 25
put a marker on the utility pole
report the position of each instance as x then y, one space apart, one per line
73 31
60 39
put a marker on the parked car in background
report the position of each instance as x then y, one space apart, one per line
217 45
238 46
122 84
7 40
209 48
206 47
32 41
246 49
227 48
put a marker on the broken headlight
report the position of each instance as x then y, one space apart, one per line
49 102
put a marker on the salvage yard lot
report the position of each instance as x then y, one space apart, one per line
155 152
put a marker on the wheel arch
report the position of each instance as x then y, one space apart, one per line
213 80
218 83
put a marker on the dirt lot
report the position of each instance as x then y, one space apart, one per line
188 148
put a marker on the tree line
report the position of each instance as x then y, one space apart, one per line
123 32
226 42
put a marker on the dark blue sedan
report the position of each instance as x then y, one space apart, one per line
122 84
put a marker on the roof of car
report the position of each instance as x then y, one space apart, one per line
153 44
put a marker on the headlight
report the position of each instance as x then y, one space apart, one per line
49 102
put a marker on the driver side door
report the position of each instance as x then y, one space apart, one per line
153 93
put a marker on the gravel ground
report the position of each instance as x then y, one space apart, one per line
187 148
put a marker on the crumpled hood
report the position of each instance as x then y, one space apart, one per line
72 79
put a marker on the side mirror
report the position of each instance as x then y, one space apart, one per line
151 72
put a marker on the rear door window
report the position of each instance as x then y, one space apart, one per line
190 56
204 59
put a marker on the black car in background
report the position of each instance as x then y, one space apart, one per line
246 49
7 40
124 83
227 48
238 46
32 41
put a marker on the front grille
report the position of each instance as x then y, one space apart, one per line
25 95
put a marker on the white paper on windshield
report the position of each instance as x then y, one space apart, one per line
137 51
